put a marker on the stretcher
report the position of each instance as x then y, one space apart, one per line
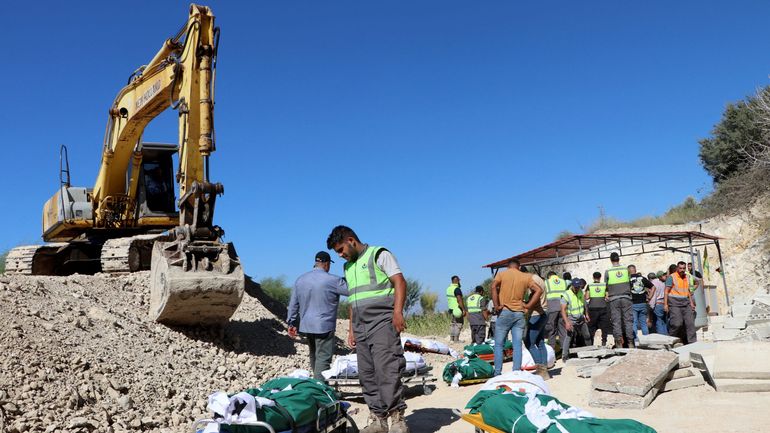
477 422
415 377
332 418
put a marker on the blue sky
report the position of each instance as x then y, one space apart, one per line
454 133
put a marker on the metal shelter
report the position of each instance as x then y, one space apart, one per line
598 246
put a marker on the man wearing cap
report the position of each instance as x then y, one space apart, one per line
573 313
457 310
313 309
376 305
619 295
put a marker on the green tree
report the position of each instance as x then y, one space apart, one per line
428 301
413 291
2 262
563 234
276 288
736 140
342 310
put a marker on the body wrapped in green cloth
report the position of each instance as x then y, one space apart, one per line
297 402
534 413
471 367
487 348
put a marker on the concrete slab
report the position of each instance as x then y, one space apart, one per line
684 382
741 310
742 385
735 323
725 334
575 350
599 353
683 372
661 339
616 400
577 362
637 373
747 360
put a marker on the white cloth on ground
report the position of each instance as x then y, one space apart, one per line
522 381
221 404
347 366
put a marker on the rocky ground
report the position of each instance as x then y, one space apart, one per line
79 354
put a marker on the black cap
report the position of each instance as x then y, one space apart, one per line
323 257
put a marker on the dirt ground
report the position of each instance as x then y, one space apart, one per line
698 409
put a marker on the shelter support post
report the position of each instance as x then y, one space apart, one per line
722 271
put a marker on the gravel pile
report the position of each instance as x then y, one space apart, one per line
79 354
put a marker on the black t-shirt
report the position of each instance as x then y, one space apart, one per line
640 298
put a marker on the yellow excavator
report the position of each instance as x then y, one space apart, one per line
131 219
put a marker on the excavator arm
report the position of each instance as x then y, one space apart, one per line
180 76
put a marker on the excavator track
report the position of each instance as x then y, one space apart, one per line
33 259
125 255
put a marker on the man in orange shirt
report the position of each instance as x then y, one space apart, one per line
508 290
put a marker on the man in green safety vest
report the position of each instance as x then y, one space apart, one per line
477 315
619 296
555 287
597 313
376 304
573 313
456 307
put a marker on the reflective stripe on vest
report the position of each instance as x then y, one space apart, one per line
474 303
681 287
554 287
617 275
451 299
597 290
365 279
575 304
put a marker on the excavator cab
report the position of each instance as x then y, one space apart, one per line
156 187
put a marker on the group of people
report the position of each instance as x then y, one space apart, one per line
535 311
567 307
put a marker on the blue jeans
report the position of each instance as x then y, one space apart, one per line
512 321
640 318
660 320
535 339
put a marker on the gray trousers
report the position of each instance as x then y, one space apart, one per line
321 350
478 332
579 328
552 327
681 320
381 363
622 317
455 327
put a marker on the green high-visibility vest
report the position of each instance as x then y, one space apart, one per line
618 275
366 281
451 300
597 290
554 287
575 303
693 287
474 303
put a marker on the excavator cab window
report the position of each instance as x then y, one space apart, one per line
158 186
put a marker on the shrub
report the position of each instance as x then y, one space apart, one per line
428 301
276 288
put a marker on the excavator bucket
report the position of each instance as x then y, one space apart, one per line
194 283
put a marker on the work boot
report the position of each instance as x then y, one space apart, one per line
376 425
398 423
542 371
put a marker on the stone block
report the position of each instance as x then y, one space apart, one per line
637 373
599 353
684 382
742 361
616 400
761 331
591 370
581 362
575 350
735 323
683 372
658 339
741 310
725 334
742 385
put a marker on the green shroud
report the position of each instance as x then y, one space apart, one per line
301 402
470 367
486 348
501 411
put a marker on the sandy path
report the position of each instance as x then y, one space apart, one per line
699 409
